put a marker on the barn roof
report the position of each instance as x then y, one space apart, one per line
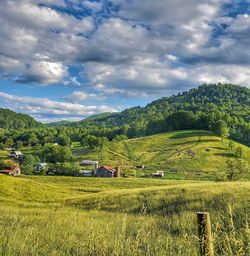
109 168
9 169
18 153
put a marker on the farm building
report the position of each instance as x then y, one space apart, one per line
107 171
159 174
16 154
86 173
90 163
40 167
13 171
140 166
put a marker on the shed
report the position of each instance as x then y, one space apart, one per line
158 174
16 154
90 163
105 171
86 173
13 171
40 167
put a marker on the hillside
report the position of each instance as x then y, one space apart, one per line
169 152
207 107
71 216
12 120
228 98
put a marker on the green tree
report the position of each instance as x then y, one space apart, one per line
29 163
9 143
33 140
56 153
239 152
63 140
237 169
19 144
120 137
2 146
231 144
220 127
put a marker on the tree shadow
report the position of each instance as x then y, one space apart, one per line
218 148
224 154
191 134
193 141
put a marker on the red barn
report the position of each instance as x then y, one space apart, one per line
13 171
107 171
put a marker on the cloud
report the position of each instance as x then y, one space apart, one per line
45 109
95 6
77 96
28 36
124 48
221 73
43 72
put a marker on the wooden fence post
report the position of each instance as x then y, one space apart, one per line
205 234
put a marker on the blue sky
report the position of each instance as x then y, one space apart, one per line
69 59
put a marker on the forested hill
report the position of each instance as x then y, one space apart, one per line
222 108
232 99
12 120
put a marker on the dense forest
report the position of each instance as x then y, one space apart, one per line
12 120
223 109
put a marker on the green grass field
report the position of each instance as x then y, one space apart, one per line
126 216
168 152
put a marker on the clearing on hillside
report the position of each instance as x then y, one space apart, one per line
201 154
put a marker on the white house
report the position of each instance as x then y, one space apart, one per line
16 154
40 167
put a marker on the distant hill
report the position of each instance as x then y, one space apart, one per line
210 107
59 123
232 99
12 120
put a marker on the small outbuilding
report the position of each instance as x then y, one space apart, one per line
12 171
90 163
140 166
159 174
40 167
86 173
16 154
107 171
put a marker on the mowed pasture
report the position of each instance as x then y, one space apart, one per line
169 152
126 216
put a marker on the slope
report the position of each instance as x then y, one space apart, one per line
120 216
196 152
12 120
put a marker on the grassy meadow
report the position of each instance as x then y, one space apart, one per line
168 152
126 216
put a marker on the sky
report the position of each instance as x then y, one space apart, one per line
70 59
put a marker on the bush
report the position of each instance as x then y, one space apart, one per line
55 153
28 164
66 168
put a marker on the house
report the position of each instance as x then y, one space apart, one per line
90 163
16 154
159 174
140 166
40 167
86 173
13 171
107 171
